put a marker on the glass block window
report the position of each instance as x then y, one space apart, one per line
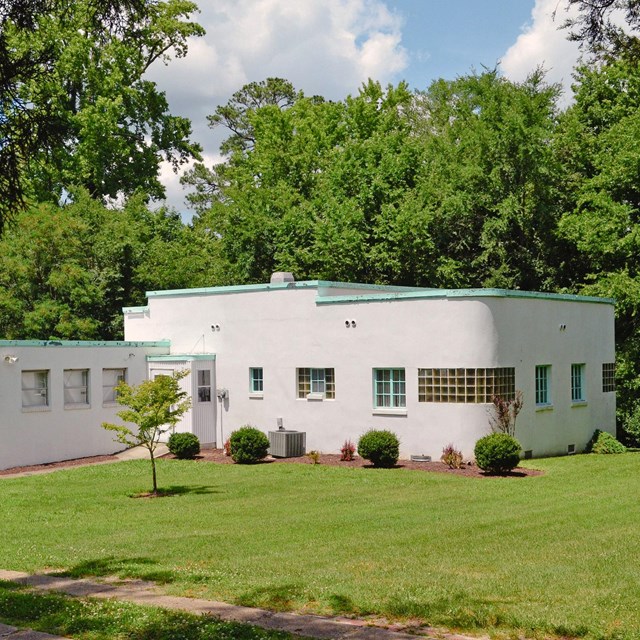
110 379
578 393
316 381
389 389
543 385
35 388
204 385
466 385
76 387
256 380
608 377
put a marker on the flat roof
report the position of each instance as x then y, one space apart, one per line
369 293
84 343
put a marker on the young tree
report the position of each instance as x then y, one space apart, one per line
154 407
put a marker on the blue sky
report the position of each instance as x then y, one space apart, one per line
446 39
330 47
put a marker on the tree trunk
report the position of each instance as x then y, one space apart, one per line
153 467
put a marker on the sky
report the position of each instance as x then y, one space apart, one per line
330 47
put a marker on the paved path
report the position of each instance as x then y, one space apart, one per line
134 453
145 593
13 633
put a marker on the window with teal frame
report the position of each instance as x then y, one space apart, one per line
256 380
578 383
389 389
543 385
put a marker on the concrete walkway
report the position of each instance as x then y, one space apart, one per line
145 593
134 453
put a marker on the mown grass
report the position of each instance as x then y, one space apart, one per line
89 619
556 554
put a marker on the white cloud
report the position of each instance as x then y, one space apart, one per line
543 43
325 47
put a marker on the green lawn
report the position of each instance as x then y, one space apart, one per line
557 554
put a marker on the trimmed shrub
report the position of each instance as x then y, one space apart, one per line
381 448
604 442
248 445
497 453
452 457
185 446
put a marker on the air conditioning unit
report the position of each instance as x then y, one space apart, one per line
285 443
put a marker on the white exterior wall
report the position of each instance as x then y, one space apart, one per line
283 328
48 434
558 333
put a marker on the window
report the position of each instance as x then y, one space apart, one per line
256 380
543 385
76 387
316 383
35 389
466 385
110 379
608 377
204 385
578 383
389 389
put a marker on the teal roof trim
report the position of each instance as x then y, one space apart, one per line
83 343
462 293
182 358
249 288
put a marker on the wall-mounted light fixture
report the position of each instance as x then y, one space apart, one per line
11 359
215 327
563 327
350 324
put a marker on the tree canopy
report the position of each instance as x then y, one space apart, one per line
75 107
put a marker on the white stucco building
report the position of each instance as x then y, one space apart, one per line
55 395
330 359
335 359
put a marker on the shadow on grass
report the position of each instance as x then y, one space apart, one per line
103 620
126 568
284 597
176 490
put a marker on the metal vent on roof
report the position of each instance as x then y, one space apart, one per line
287 444
282 276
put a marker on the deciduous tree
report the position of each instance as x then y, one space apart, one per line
154 407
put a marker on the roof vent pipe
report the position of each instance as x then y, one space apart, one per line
282 276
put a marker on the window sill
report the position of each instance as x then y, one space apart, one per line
315 396
257 395
75 407
579 403
544 407
35 409
389 411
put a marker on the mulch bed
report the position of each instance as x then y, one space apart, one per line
217 456
469 471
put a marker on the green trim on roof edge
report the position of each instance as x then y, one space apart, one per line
463 293
84 343
182 358
302 284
